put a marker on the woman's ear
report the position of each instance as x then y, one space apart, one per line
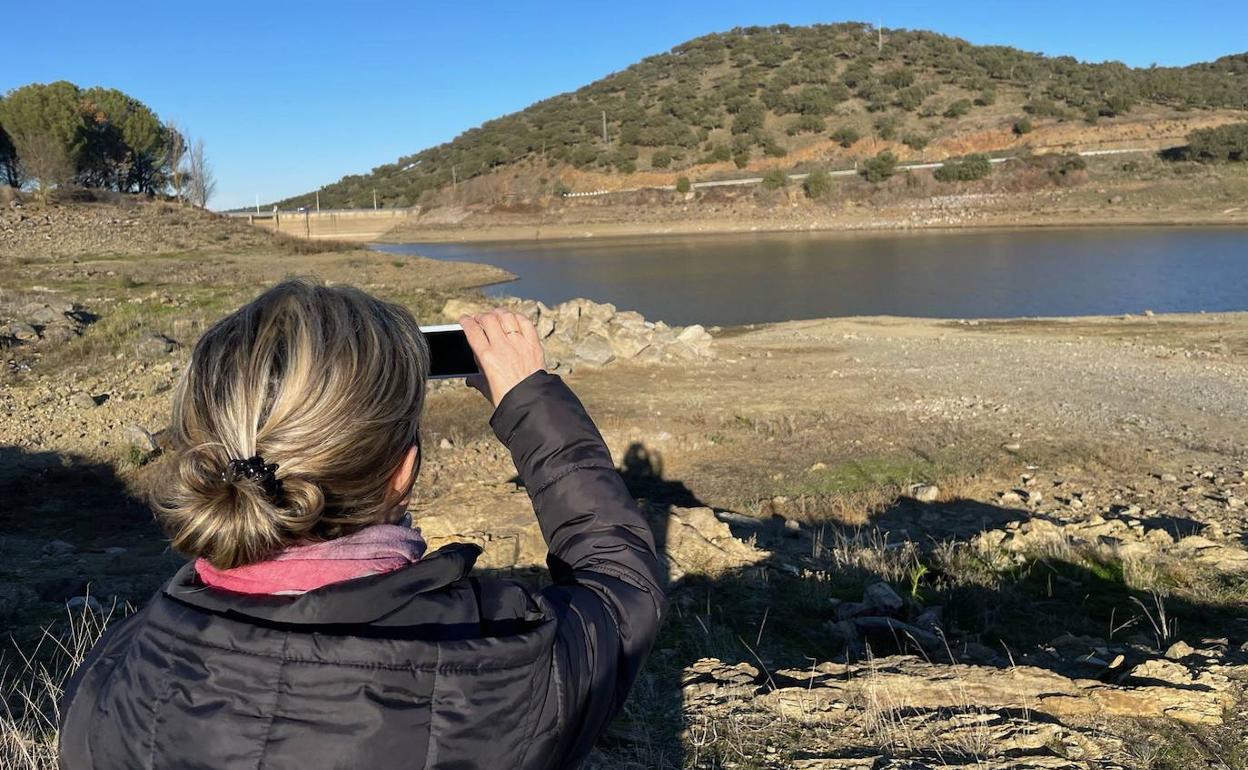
404 475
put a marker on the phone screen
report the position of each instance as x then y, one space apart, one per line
449 353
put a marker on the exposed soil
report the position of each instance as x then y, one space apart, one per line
895 543
1138 189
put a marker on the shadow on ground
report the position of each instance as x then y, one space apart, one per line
782 612
71 527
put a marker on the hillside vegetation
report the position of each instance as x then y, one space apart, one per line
774 92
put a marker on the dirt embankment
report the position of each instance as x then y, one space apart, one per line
893 542
1036 190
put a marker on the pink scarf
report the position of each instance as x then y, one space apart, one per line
302 568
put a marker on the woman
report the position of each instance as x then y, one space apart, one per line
311 629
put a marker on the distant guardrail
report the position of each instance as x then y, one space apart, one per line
753 180
741 182
274 212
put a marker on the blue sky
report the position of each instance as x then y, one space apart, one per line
290 96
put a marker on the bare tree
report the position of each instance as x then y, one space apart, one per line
45 161
175 159
201 181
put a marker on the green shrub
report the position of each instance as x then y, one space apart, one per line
748 118
807 124
1071 163
845 136
879 168
741 157
584 155
967 169
817 185
718 154
958 108
683 185
1022 126
1044 108
773 150
986 98
1063 168
914 141
886 127
1224 143
900 78
661 159
775 179
910 99
1116 104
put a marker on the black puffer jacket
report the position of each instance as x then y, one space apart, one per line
425 667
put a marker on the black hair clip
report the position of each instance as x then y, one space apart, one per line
255 469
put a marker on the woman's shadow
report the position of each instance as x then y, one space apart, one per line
768 614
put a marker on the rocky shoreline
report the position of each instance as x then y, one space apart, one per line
581 332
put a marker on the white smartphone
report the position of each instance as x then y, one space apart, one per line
450 356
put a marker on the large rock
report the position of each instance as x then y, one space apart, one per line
41 314
457 307
503 524
876 730
1206 551
22 332
695 541
154 345
821 694
882 598
594 349
584 332
628 341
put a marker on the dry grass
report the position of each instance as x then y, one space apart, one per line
32 683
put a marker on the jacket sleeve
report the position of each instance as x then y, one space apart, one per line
608 591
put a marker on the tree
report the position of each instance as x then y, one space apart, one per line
683 185
879 168
44 122
124 143
817 184
1022 126
10 168
175 159
201 181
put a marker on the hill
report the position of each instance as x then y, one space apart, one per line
783 95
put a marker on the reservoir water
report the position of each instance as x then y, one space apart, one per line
759 277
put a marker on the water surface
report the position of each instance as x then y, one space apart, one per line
759 277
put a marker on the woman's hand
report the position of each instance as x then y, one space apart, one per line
507 350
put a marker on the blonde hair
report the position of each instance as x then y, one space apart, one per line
327 383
